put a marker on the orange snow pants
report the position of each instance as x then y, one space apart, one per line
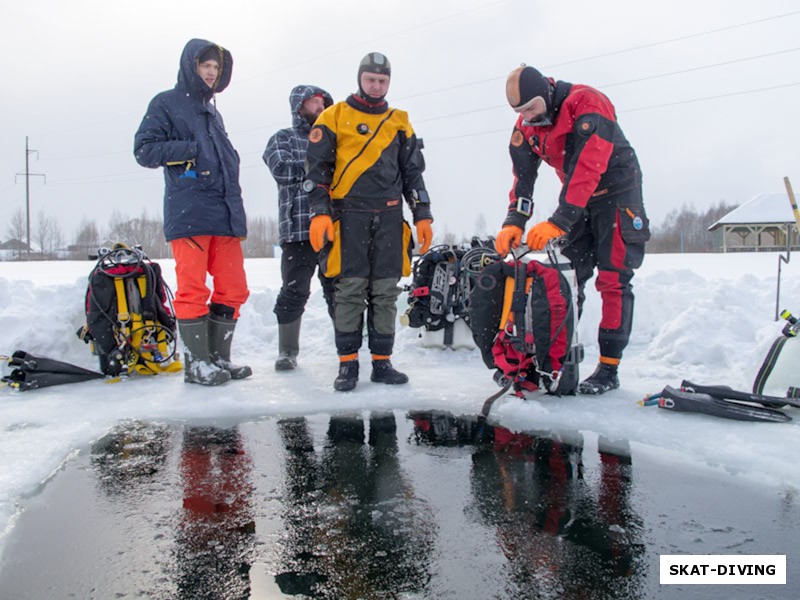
220 257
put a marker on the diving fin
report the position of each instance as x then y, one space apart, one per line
726 393
680 401
33 380
31 372
26 361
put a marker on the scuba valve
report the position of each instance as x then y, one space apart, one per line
792 327
779 370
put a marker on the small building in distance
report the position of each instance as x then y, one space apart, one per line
13 250
762 224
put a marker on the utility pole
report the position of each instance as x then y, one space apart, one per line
28 176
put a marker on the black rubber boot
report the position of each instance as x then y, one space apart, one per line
348 376
288 345
384 372
220 337
197 365
602 380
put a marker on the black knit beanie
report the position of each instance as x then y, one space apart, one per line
524 84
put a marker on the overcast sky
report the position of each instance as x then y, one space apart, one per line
707 92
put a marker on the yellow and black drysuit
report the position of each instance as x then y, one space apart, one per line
362 160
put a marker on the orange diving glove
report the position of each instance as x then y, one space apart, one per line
541 233
424 235
321 228
510 236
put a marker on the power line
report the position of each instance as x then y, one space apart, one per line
677 39
362 43
775 87
721 64
87 182
607 85
612 53
507 129
466 135
471 83
65 157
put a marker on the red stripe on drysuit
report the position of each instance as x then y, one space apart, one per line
611 293
618 248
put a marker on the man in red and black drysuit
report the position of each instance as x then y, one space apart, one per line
574 129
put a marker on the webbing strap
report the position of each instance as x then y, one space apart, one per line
123 316
137 323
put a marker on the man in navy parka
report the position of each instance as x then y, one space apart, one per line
204 218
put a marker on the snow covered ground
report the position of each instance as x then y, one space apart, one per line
708 318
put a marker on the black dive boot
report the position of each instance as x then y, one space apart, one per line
197 365
602 380
288 345
384 372
348 376
220 337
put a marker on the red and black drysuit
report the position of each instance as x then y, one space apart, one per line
600 205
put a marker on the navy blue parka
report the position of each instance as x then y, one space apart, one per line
181 125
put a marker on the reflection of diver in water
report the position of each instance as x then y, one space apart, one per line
355 529
561 538
214 544
131 453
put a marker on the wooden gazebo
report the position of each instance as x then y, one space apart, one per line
763 224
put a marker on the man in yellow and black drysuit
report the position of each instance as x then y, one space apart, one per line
363 159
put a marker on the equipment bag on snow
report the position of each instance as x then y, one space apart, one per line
523 321
780 371
129 319
32 372
438 297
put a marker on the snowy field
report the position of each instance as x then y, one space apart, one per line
708 318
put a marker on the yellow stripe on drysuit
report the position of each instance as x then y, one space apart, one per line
333 258
406 242
342 119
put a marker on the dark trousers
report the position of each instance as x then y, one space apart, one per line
368 256
298 262
605 239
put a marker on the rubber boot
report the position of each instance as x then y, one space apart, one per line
288 345
220 337
348 376
602 380
384 372
197 365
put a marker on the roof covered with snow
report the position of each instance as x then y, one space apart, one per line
763 209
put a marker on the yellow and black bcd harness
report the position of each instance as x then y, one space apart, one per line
126 326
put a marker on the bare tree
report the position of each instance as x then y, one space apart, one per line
480 226
16 228
87 239
43 231
445 236
686 230
262 236
142 231
272 231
